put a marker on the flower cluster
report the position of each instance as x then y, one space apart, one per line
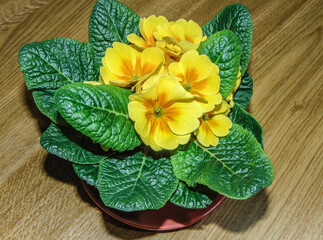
176 91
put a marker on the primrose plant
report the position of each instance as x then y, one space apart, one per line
152 110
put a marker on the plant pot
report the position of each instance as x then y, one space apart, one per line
169 217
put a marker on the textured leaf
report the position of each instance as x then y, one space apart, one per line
51 64
88 173
237 18
187 197
237 167
45 103
99 112
247 121
111 21
68 144
244 93
136 183
56 62
223 48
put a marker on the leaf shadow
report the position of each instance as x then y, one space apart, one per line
43 121
63 171
240 215
54 166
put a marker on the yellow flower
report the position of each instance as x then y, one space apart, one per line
180 36
174 38
165 115
147 27
200 77
213 125
124 66
229 99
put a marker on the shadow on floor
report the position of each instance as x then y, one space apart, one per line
43 121
63 171
239 215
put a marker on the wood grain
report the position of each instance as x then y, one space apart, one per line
40 196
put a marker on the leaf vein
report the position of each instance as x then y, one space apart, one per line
213 155
67 78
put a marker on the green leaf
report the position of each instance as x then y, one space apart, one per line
138 182
237 18
247 121
88 173
244 93
45 103
193 198
223 48
99 112
68 144
54 63
111 21
57 62
237 167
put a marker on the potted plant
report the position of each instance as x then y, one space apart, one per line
152 111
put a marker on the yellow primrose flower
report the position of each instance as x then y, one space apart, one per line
213 125
229 99
165 115
147 27
174 38
124 66
200 77
179 37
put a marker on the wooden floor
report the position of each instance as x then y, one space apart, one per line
41 198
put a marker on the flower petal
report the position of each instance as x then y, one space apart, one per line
149 141
205 136
94 83
196 67
220 125
193 31
138 41
182 117
187 45
170 30
164 137
105 74
238 81
153 80
150 59
149 25
211 102
220 108
209 85
176 31
183 139
148 96
170 90
139 113
121 59
176 70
